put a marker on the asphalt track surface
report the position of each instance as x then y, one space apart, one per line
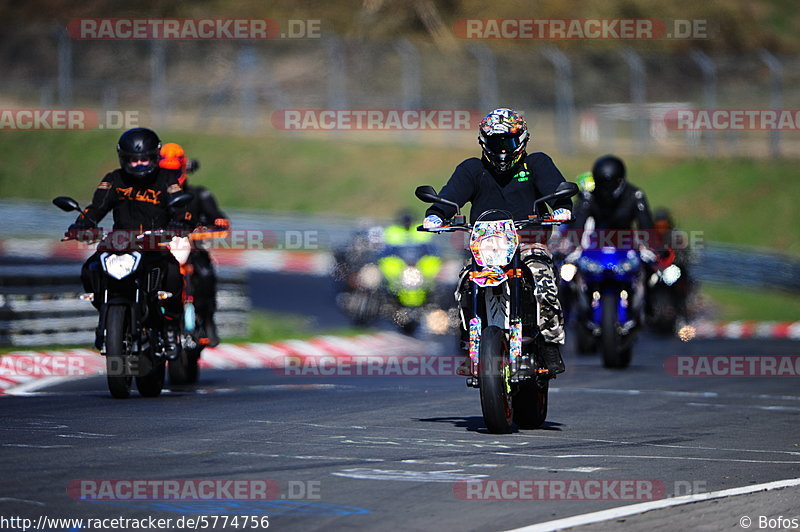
377 453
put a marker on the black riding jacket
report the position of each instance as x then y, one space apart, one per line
203 209
475 181
630 207
139 204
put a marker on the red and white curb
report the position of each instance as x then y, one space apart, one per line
741 330
27 371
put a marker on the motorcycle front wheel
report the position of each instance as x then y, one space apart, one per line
664 311
613 355
495 399
117 352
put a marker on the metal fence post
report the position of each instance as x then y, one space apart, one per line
638 82
64 69
410 85
487 76
337 73
158 83
775 96
565 100
248 99
709 70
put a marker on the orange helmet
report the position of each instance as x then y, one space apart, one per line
174 157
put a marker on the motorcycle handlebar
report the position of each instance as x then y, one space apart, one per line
519 224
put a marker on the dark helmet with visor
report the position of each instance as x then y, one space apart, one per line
138 150
609 178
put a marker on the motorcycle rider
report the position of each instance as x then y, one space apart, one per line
616 204
202 211
507 177
137 193
684 256
403 233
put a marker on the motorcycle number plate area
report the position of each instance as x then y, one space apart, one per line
498 306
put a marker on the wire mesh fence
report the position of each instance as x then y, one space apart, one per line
577 101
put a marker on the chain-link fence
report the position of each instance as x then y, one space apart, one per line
577 101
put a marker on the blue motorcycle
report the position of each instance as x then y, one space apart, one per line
609 302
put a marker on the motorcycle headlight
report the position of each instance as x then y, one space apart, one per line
119 266
369 276
589 265
411 278
495 250
630 264
568 272
671 274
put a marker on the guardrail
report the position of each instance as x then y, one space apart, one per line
39 305
750 267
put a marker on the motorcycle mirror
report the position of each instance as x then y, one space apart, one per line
179 200
428 194
192 166
66 203
567 189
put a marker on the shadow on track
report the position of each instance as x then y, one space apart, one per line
476 424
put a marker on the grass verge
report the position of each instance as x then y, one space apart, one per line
740 201
733 304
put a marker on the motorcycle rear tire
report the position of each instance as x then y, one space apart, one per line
530 404
184 370
150 385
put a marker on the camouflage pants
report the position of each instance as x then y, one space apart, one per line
550 316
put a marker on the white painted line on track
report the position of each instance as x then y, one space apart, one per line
771 408
634 509
651 457
26 501
585 469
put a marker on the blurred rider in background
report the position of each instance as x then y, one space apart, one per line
202 211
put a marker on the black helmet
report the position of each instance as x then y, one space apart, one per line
503 136
405 218
139 145
609 177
